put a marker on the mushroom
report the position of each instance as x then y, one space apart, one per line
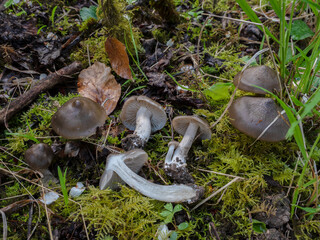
78 118
144 116
39 158
260 118
192 127
124 166
262 76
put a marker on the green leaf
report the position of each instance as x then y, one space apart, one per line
309 209
169 207
165 213
218 91
183 226
8 3
258 227
300 30
28 136
168 219
177 208
174 235
87 13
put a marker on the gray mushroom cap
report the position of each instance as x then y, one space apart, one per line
134 159
181 123
131 107
39 156
252 115
78 118
262 76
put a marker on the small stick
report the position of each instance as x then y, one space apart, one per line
214 231
215 193
25 99
30 219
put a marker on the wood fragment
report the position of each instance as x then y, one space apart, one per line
47 83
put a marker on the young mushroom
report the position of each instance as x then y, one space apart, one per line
78 118
144 116
262 76
191 127
39 158
260 118
124 166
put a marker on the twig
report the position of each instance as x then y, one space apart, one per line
47 215
30 220
215 193
212 228
219 173
25 99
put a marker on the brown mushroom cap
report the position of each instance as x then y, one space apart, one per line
261 76
39 156
181 123
131 107
78 118
252 115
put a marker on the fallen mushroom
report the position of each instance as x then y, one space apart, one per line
78 118
262 76
192 127
144 116
259 117
39 158
124 166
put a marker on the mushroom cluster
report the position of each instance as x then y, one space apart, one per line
259 117
80 117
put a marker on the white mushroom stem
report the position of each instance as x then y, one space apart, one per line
181 153
165 193
143 123
170 152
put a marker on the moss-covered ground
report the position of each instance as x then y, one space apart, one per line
263 169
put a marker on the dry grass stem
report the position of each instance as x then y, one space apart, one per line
215 193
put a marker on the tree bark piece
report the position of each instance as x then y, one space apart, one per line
27 98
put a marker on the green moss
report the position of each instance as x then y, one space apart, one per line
94 47
161 35
125 214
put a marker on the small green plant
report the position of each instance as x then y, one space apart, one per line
53 14
258 226
62 179
169 212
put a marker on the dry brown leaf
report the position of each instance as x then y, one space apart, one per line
97 83
118 57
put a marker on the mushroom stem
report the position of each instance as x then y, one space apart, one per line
170 152
182 150
143 124
166 193
47 176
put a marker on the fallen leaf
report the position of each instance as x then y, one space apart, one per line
118 57
97 83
